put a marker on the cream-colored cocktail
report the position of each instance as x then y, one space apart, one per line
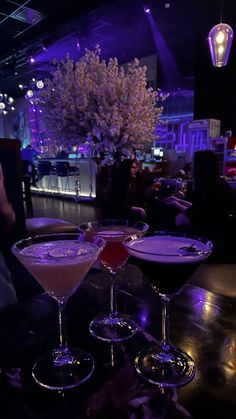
59 266
59 262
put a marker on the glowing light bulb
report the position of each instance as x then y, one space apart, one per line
220 37
221 49
29 93
40 84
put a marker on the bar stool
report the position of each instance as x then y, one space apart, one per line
75 172
44 169
62 171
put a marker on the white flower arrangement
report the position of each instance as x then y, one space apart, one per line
90 99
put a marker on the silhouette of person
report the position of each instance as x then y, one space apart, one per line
7 220
213 208
125 196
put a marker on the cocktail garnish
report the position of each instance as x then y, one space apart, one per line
62 253
190 250
67 252
59 250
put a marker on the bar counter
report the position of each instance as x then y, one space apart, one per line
78 181
202 322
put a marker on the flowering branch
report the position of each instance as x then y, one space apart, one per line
90 98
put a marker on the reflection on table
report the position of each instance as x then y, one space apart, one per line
202 324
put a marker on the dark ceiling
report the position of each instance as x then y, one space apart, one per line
49 29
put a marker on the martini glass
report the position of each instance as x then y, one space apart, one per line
114 326
167 260
59 263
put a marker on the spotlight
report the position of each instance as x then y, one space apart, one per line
147 9
32 60
46 43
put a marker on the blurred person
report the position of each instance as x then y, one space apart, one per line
181 174
7 214
28 155
188 170
7 220
213 208
61 154
125 196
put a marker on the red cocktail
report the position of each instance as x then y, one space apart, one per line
113 327
114 255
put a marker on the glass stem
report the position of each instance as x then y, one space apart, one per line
113 294
165 322
61 355
62 324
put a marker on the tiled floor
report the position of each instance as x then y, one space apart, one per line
75 212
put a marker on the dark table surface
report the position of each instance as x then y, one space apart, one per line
202 322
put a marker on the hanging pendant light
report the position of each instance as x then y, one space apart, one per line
220 39
6 103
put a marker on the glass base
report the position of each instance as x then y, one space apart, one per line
167 370
62 372
113 328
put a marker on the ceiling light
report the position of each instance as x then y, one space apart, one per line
40 84
29 94
147 9
6 103
220 39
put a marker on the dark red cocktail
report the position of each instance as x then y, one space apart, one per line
114 255
114 327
